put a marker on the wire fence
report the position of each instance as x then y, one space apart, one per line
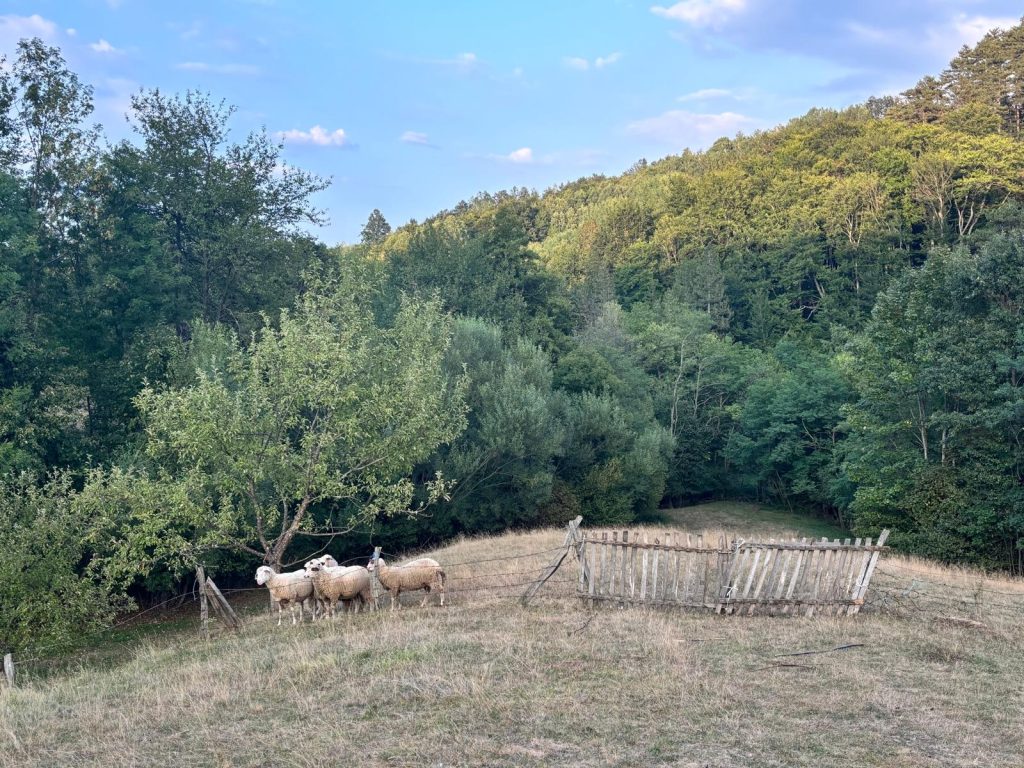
911 594
459 584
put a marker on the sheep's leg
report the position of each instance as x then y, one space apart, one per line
280 612
426 596
394 599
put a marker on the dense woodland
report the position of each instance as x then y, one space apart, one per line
825 316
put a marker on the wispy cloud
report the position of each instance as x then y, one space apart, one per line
102 46
523 156
576 158
682 128
706 94
701 13
418 138
582 65
247 70
14 28
316 136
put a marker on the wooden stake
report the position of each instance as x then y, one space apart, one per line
569 537
9 668
227 612
204 610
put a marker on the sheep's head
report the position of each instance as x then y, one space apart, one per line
263 574
370 566
329 562
313 564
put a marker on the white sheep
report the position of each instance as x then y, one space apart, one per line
331 583
292 589
316 607
424 573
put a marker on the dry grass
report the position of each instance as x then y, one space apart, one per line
486 682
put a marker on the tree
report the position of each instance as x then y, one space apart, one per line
376 229
46 595
934 448
504 463
312 429
222 219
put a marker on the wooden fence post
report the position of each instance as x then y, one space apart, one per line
223 606
570 537
375 588
9 668
204 610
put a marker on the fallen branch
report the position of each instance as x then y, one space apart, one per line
585 625
784 664
828 650
962 622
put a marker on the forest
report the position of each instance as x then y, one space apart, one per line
825 316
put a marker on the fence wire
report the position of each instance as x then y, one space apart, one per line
39 656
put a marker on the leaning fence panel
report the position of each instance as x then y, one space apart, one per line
675 569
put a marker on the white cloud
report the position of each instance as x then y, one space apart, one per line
682 128
415 137
14 28
315 135
523 156
944 38
71 31
102 46
701 13
582 65
967 30
220 69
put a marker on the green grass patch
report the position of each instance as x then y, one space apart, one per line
746 518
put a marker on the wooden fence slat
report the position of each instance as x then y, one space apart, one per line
819 563
643 572
654 575
623 562
870 571
668 568
10 671
769 557
753 572
794 579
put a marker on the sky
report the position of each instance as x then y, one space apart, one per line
410 106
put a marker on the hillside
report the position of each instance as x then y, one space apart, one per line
826 317
485 681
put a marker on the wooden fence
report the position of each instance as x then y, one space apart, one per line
686 570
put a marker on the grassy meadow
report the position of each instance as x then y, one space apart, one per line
485 681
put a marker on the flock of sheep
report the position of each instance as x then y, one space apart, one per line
322 583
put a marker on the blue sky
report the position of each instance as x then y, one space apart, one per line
412 106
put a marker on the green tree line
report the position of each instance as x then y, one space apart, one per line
825 316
